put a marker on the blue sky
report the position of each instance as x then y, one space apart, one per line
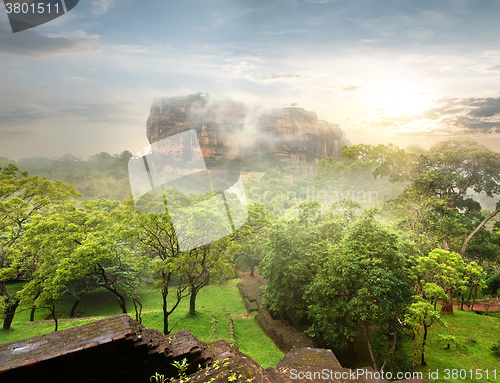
407 72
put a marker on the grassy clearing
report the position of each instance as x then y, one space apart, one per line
212 302
475 334
250 338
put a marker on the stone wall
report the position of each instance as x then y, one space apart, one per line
118 349
113 349
285 336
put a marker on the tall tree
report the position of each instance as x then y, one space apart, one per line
156 234
362 285
291 261
252 236
22 197
213 261
420 317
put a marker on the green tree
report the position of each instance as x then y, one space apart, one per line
208 262
291 261
252 237
22 197
421 315
446 270
362 284
156 235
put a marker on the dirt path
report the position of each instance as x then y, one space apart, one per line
479 306
245 275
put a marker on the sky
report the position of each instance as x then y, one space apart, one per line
403 72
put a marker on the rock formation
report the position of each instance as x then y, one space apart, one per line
229 133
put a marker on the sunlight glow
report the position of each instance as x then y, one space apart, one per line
406 101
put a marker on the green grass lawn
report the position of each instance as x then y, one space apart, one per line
475 335
212 302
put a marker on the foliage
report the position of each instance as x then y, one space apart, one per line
361 284
160 240
496 348
421 315
445 270
102 176
252 237
435 204
291 261
22 198
71 245
492 285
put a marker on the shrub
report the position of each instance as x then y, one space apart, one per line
496 348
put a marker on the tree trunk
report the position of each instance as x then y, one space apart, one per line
370 347
33 308
192 301
252 271
138 309
77 300
447 307
393 347
121 298
474 298
424 341
164 295
9 313
52 309
479 227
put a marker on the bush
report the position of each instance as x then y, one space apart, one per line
496 348
492 285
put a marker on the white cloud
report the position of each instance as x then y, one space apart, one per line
35 44
279 33
100 7
420 34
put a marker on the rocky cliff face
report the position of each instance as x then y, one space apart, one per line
290 139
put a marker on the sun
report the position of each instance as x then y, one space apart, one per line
405 101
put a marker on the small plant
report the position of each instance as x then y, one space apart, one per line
496 348
157 378
448 340
182 366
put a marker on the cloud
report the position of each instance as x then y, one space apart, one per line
279 33
471 125
473 114
484 107
238 67
420 34
101 7
348 88
288 77
367 41
98 112
495 67
35 44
